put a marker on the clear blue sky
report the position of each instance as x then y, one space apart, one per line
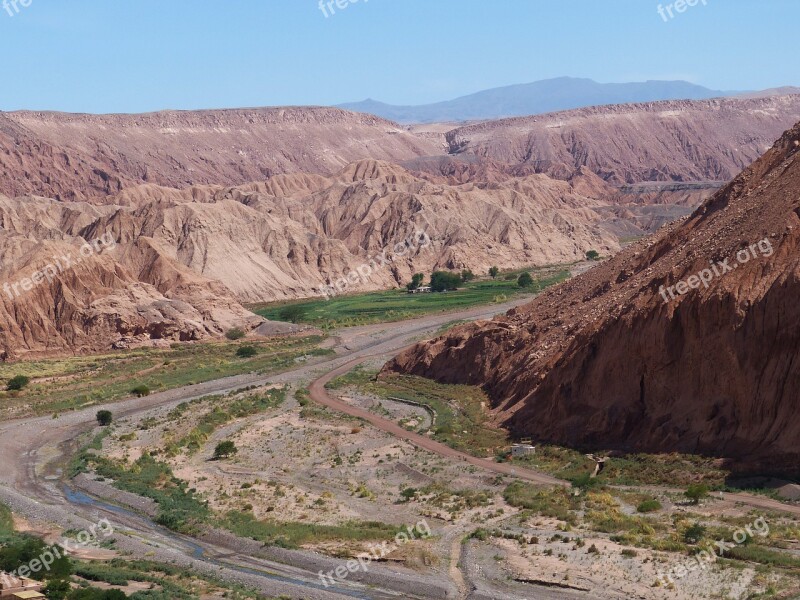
141 55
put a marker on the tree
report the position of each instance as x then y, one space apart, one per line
104 417
441 281
23 550
15 384
293 313
246 352
494 272
416 281
225 449
696 492
694 534
525 280
467 275
592 255
234 334
57 589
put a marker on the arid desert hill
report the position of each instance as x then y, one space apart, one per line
681 140
611 360
77 156
207 249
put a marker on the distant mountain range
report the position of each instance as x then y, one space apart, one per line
549 95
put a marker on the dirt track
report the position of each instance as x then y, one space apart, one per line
319 394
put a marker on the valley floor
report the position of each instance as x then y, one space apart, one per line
311 487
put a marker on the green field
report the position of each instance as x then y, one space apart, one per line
398 305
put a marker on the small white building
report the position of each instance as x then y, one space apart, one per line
520 450
423 289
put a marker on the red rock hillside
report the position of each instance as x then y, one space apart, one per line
603 362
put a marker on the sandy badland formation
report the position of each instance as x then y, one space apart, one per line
605 359
212 209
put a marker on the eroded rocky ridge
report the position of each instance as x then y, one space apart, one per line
680 140
604 362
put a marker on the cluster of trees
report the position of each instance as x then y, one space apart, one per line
442 281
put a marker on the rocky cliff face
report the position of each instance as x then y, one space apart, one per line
611 360
61 294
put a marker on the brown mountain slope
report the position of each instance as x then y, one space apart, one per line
288 237
59 295
206 248
604 362
70 156
680 140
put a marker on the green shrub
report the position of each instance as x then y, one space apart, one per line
525 280
23 549
584 481
246 352
442 281
416 281
104 417
57 589
493 272
15 384
293 313
696 492
557 504
592 255
225 449
234 334
694 534
647 506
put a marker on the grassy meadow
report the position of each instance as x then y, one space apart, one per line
397 305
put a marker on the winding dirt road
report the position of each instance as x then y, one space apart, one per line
320 394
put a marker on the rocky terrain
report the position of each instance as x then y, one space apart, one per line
614 359
682 140
67 288
211 209
76 156
180 261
